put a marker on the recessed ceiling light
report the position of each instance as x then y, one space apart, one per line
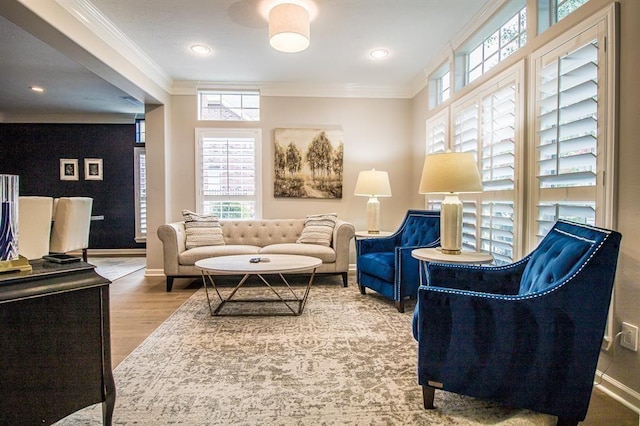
36 89
200 49
378 53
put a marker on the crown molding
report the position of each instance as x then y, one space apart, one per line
297 90
421 80
86 13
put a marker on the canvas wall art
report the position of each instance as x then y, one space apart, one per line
308 163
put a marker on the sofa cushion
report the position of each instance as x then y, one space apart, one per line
189 257
201 230
318 229
326 254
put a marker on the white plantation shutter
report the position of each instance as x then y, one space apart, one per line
498 170
485 123
571 98
465 139
228 173
437 132
140 168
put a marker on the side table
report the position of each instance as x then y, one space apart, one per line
436 255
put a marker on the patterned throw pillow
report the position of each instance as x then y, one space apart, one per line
318 229
202 230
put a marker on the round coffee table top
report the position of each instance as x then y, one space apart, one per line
239 264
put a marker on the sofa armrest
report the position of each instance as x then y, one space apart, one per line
343 232
173 239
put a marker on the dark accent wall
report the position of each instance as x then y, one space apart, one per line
33 151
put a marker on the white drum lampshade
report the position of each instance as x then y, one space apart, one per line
289 28
373 183
450 173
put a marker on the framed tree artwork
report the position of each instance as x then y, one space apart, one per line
308 163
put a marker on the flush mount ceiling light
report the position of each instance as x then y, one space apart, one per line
289 28
379 53
37 89
200 49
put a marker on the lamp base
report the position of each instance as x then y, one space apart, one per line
20 264
373 216
446 251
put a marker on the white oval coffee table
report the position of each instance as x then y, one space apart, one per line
269 264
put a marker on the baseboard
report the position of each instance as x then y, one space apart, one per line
352 267
618 391
154 272
112 252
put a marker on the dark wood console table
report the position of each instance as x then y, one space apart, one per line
55 354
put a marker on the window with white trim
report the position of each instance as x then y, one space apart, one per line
552 11
485 123
228 172
501 44
226 105
140 183
573 139
439 86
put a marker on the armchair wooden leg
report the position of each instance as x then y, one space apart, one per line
563 421
169 283
400 306
345 281
84 255
428 394
362 289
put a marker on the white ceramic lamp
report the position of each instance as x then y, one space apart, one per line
289 28
373 183
450 173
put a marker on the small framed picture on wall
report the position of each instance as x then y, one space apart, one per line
69 169
93 168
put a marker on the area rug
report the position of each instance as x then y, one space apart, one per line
349 359
113 268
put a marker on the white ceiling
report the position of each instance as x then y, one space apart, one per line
343 32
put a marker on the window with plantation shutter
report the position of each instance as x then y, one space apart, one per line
465 139
485 123
572 149
437 132
227 169
140 167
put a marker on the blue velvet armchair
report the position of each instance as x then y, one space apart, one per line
385 264
525 335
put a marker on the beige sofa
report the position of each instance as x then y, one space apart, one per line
266 236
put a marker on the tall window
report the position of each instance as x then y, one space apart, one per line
140 177
228 173
507 39
228 105
573 149
485 123
140 181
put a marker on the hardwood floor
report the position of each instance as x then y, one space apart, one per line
139 305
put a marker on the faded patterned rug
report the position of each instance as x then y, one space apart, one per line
348 359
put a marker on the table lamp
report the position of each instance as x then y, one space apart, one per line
450 173
373 183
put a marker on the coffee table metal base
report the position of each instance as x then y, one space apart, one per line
294 303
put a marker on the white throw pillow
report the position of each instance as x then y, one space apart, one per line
202 230
318 229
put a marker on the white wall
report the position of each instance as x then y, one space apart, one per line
377 133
